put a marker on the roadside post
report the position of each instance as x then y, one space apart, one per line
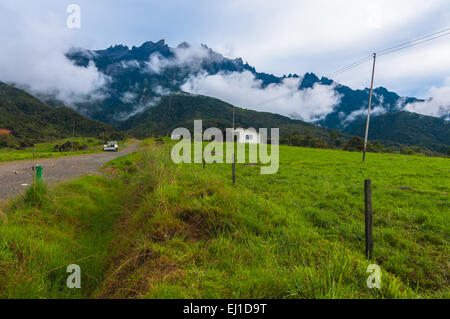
234 169
203 158
39 170
368 217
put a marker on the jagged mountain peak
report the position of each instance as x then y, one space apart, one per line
309 79
184 45
151 45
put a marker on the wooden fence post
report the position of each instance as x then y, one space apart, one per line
368 217
234 169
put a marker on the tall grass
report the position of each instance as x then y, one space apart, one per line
36 194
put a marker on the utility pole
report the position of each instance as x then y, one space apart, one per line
233 166
368 110
233 119
73 135
368 217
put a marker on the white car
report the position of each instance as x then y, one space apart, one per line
111 147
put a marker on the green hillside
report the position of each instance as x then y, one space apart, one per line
31 121
407 128
180 110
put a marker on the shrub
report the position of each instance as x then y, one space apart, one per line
35 195
66 147
355 144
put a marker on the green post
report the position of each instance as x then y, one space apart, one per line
38 172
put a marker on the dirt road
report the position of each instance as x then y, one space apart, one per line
16 176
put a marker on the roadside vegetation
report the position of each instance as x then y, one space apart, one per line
150 228
49 228
25 120
58 148
356 144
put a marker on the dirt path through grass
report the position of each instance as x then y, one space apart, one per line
16 176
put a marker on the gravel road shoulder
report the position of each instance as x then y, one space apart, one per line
16 176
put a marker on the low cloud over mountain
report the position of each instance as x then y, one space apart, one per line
119 82
32 56
141 74
243 89
438 105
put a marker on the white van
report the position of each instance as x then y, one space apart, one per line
111 147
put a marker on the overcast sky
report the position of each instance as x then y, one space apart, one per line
280 37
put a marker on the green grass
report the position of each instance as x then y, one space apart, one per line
297 234
153 229
45 150
48 229
36 194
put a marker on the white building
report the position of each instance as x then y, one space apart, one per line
249 136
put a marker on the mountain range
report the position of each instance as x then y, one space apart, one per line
146 92
140 76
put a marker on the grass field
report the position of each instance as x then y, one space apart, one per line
45 150
160 230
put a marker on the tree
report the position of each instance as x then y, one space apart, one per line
334 138
355 144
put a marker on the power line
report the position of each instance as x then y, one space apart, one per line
393 49
411 43
349 67
415 40
272 99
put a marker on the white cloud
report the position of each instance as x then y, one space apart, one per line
438 105
130 64
319 35
138 108
32 55
186 56
407 70
159 90
244 90
377 110
157 63
128 97
284 36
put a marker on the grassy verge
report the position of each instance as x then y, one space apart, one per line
48 229
45 150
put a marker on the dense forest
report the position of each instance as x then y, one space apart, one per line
24 120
